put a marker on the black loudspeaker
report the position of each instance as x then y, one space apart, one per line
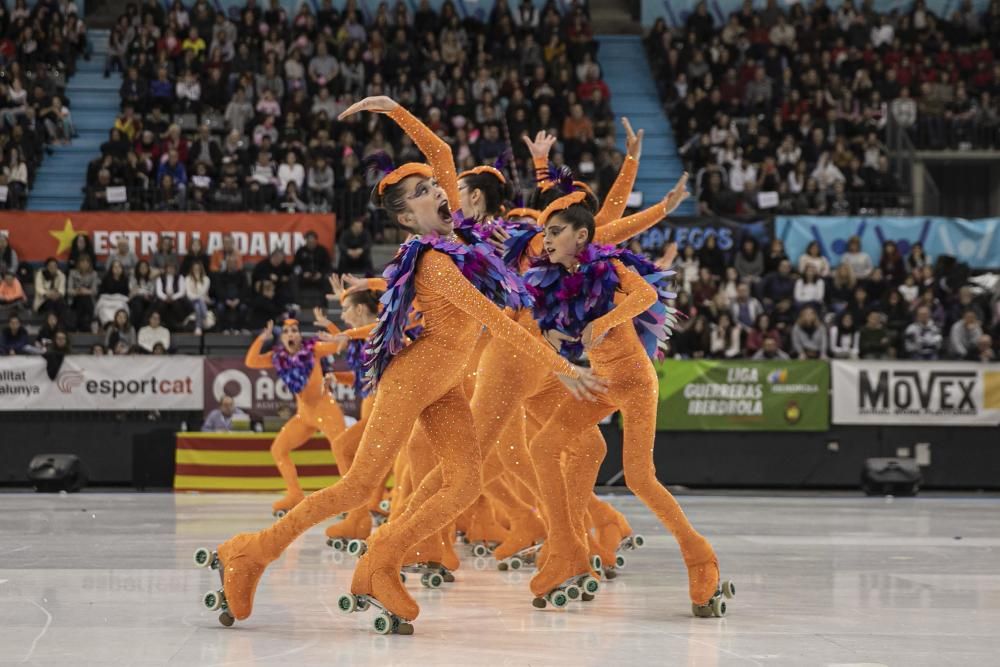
891 477
50 473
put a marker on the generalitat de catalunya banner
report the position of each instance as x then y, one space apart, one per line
37 236
260 393
102 383
974 242
718 395
916 392
694 231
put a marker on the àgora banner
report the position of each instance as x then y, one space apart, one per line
720 395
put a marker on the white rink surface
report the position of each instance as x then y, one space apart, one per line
107 579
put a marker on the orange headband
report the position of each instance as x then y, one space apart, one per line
399 173
560 204
289 322
579 185
523 213
485 169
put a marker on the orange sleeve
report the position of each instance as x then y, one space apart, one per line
541 169
435 149
439 274
614 203
639 295
623 229
254 358
360 333
323 349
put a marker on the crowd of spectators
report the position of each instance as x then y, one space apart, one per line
241 114
786 109
759 303
39 46
136 304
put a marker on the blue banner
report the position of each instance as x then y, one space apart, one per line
974 242
693 231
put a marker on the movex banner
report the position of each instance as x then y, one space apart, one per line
717 395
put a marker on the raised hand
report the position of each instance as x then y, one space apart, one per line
320 316
542 144
268 332
677 195
337 285
633 141
666 260
376 104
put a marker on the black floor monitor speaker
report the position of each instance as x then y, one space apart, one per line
50 473
891 477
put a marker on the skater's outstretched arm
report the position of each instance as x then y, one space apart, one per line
639 295
254 358
435 149
623 229
617 197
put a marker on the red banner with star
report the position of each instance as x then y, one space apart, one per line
37 236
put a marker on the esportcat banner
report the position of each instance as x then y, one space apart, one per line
720 395
937 393
37 236
114 384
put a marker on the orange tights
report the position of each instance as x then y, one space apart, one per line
324 416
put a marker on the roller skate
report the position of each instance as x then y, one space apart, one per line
582 586
434 560
381 514
525 532
521 559
357 525
704 584
240 567
485 532
281 507
380 586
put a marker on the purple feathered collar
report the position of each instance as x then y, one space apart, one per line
294 369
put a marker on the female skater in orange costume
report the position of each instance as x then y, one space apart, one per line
603 300
297 364
423 383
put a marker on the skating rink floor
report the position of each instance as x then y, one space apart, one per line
107 579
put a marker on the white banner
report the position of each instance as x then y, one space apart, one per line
916 392
103 383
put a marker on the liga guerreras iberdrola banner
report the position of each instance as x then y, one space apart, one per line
719 395
936 393
39 235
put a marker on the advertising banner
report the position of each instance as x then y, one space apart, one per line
693 231
718 395
974 242
39 235
260 393
916 392
103 383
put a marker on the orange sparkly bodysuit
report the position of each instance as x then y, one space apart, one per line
621 359
316 410
422 385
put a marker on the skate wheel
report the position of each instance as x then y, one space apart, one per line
202 557
402 577
347 604
595 563
363 604
357 547
587 597
424 581
384 506
539 603
449 577
383 623
558 599
212 600
620 562
590 586
573 592
404 628
480 551
502 566
338 543
728 588
718 605
638 541
701 611
226 619
434 580
279 513
516 563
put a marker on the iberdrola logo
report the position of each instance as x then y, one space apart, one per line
778 376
